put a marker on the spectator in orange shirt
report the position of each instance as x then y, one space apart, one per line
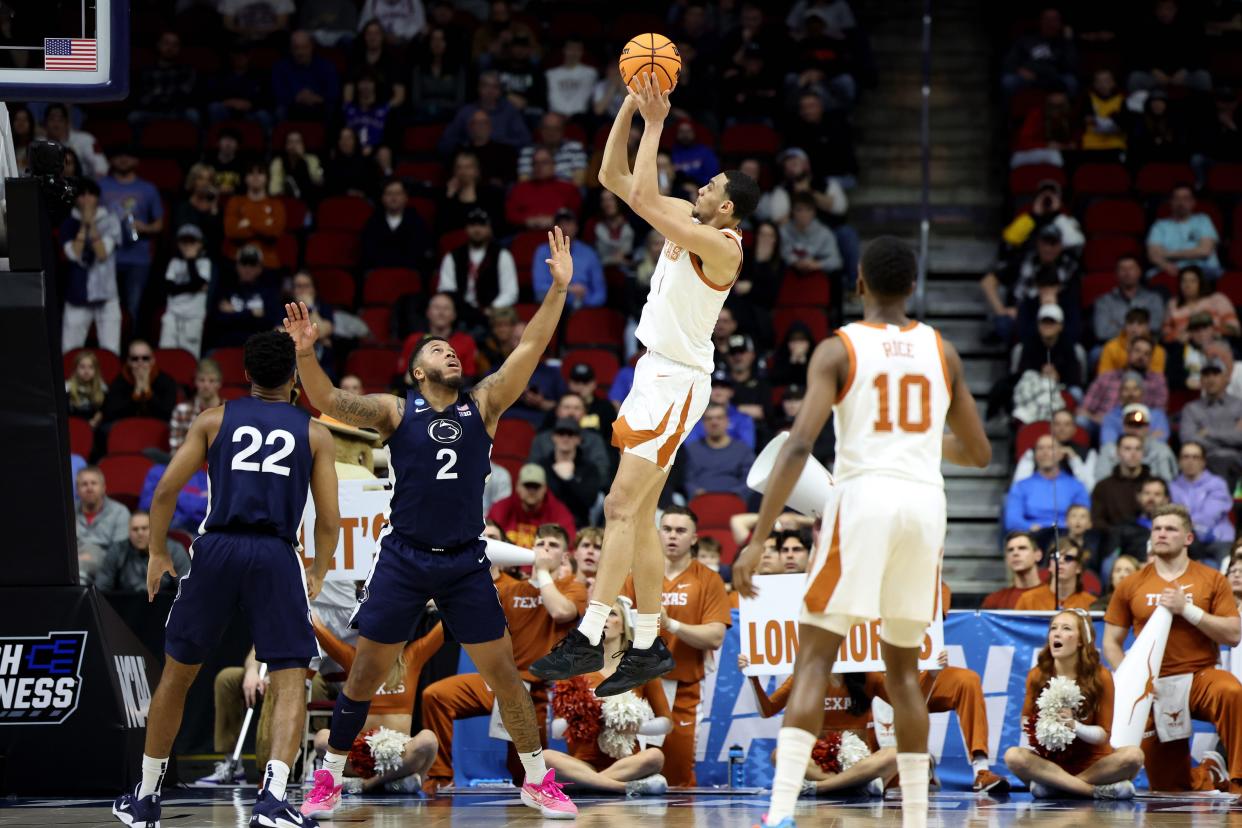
695 615
1022 557
1205 616
540 612
255 217
532 204
1070 593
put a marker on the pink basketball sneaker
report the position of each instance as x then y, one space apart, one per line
323 799
548 798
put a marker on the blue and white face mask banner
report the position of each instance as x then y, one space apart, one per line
1000 647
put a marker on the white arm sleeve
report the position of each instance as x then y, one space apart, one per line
1091 734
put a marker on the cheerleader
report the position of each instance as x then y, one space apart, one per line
839 762
1067 722
603 754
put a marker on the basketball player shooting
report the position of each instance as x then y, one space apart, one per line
432 548
672 382
893 384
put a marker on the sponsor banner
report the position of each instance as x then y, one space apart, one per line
769 632
363 509
40 677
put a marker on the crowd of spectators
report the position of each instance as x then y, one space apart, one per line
1116 282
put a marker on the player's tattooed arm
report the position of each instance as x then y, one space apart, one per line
376 411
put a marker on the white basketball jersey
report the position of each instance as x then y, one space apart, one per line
890 415
682 306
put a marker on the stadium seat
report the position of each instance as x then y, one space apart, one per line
513 438
346 214
328 249
510 463
1225 178
451 241
236 392
250 135
1158 178
749 139
1231 286
1100 179
232 365
1202 205
287 251
335 286
312 135
430 173
421 140
178 364
374 366
1102 252
728 549
426 209
702 135
1095 285
1163 281
112 134
109 363
523 249
604 363
124 474
384 285
585 25
164 174
81 437
1025 179
379 321
804 290
813 318
296 213
595 326
132 435
1031 432
526 310
1115 216
715 508
164 137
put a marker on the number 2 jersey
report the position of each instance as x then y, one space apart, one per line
890 413
259 469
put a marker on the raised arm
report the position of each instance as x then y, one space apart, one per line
614 170
501 389
967 444
326 494
188 460
671 217
381 412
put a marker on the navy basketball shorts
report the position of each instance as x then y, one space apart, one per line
262 573
403 577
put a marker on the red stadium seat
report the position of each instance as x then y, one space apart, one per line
1202 205
523 249
1102 252
312 135
813 318
604 363
133 434
804 290
1115 216
451 241
164 173
595 326
1026 179
1163 281
728 549
109 363
232 365
1030 433
124 474
328 249
715 508
526 310
81 437
1231 286
749 139
587 26
335 286
1225 178
1159 178
111 134
1095 285
287 251
178 364
346 214
1101 179
374 366
170 136
236 392
379 320
513 438
384 285
296 212
430 173
421 140
426 209
702 135
510 463
250 135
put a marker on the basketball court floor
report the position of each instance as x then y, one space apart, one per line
200 809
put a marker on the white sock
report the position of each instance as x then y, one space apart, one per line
980 764
646 628
593 622
793 753
536 769
275 778
153 771
334 763
912 770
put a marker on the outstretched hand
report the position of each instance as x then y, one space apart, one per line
652 104
300 327
560 263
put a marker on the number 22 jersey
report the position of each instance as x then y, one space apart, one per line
259 469
890 412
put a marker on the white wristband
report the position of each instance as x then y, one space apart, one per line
1193 614
673 625
540 579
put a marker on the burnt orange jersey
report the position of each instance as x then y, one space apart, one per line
837 715
531 627
696 596
1079 754
1040 599
1188 650
399 699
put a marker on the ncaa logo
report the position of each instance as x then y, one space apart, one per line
444 431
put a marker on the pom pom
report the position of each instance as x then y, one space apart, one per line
574 701
387 748
839 751
360 758
852 750
1050 733
623 714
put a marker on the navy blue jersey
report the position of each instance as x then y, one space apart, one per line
440 461
259 469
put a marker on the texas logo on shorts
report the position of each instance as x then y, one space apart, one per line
40 677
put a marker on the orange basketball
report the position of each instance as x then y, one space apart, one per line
651 53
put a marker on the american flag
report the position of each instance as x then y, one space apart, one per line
66 54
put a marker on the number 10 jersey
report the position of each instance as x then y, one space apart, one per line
259 469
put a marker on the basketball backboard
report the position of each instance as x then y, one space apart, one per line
65 50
